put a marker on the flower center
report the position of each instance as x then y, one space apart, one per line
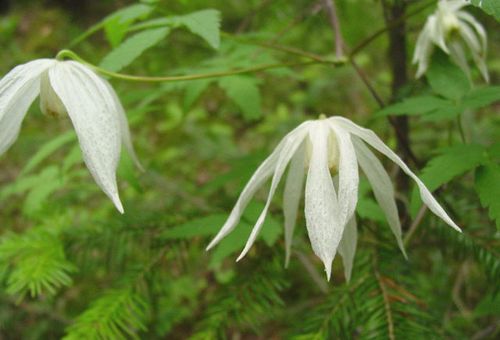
50 103
332 153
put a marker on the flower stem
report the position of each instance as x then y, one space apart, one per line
72 55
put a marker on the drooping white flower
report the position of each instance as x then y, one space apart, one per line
453 30
68 87
327 153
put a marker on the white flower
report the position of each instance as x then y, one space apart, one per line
89 100
329 150
449 27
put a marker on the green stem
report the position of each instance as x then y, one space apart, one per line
71 55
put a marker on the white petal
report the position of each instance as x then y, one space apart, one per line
348 174
292 143
124 127
476 25
92 111
382 187
372 139
321 206
457 54
423 51
18 90
260 176
347 246
291 197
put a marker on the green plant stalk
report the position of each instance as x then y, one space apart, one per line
72 55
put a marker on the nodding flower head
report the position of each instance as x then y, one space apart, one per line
454 31
70 88
326 155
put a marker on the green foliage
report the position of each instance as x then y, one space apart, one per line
376 304
488 188
492 7
234 242
245 303
446 78
117 314
132 48
35 263
245 93
205 23
70 265
450 163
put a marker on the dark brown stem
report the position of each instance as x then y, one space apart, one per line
399 70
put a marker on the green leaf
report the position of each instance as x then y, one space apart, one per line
415 106
38 263
243 90
193 91
117 24
481 97
447 79
205 23
48 149
488 188
132 48
492 7
118 314
451 162
124 16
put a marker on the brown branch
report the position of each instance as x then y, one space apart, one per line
335 24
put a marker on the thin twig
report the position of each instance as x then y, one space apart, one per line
320 282
331 10
387 303
418 220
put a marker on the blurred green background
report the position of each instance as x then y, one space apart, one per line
71 266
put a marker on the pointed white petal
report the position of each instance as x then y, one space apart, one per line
292 142
470 38
373 140
347 246
457 54
437 32
124 127
477 27
321 205
291 197
18 90
92 111
260 176
423 51
382 187
348 174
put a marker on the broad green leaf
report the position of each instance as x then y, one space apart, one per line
124 16
48 149
132 48
243 90
205 23
415 106
492 7
488 189
446 78
193 91
481 97
451 162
